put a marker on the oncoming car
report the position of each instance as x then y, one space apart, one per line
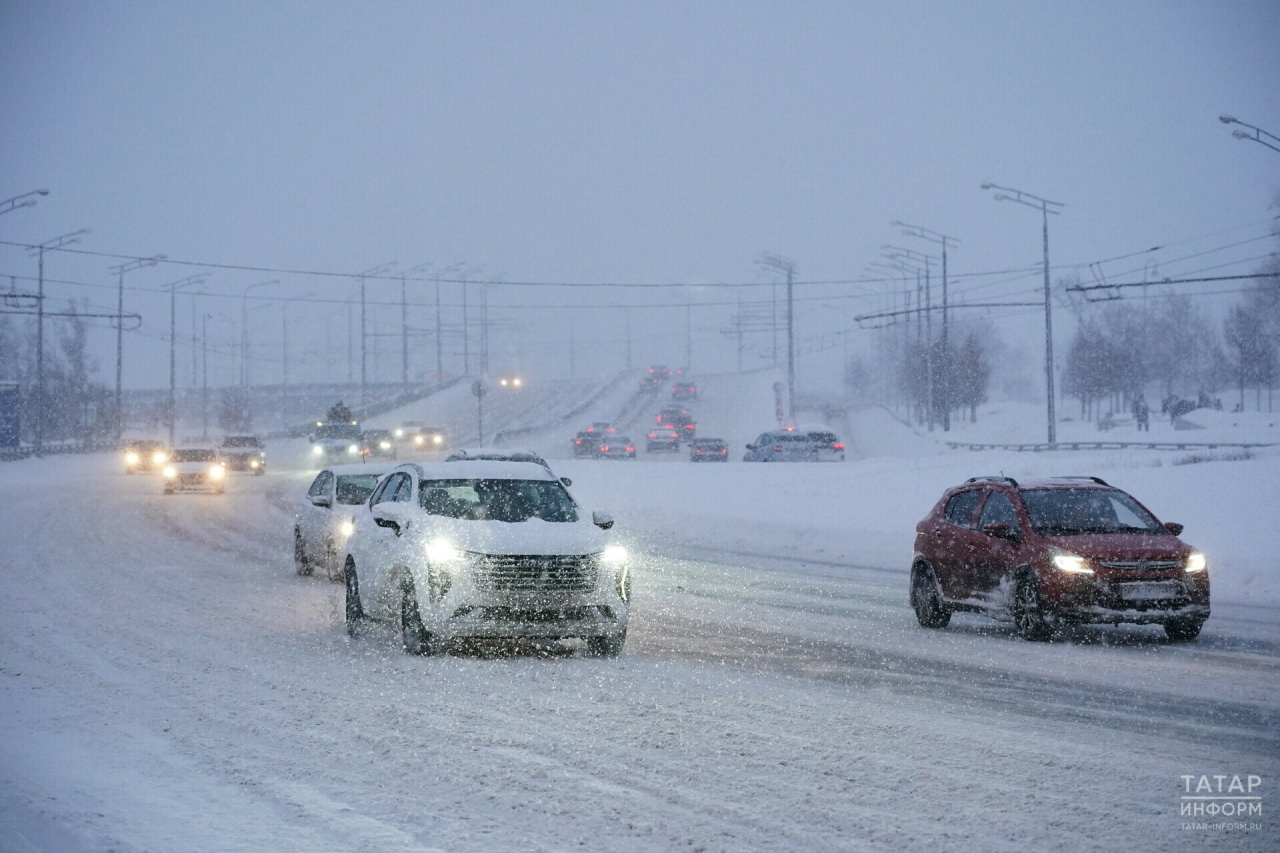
323 520
195 468
415 436
145 456
243 453
485 550
1054 552
336 441
378 442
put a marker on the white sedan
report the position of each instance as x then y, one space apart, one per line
323 520
194 468
489 550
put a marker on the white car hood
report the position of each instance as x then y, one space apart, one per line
534 536
193 467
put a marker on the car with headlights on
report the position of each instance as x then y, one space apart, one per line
194 469
484 549
243 453
413 435
145 455
336 442
1055 552
709 450
323 519
378 444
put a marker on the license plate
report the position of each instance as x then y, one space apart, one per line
1149 590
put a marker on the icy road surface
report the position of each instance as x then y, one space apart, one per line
168 684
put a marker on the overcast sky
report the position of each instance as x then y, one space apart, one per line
643 142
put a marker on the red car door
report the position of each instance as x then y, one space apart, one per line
999 549
951 542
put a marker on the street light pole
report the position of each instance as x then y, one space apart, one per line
173 288
930 408
25 200
1045 207
944 241
284 356
364 341
244 330
120 270
404 325
1256 136
784 265
204 375
55 243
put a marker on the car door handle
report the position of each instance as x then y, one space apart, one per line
386 522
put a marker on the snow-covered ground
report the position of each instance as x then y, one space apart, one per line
167 682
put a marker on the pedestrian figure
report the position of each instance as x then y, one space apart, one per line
1142 413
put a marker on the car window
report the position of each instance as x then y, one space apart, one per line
999 510
497 500
354 489
318 484
1063 512
195 456
961 506
403 490
379 493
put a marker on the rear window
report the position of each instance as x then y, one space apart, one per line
194 456
960 507
1064 512
355 489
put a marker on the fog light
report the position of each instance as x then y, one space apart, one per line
353 449
385 445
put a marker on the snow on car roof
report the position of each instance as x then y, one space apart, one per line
358 468
484 469
463 454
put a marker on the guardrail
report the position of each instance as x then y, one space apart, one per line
1105 445
12 454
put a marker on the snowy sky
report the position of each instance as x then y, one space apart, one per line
656 142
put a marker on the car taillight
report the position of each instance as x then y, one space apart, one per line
777 448
629 449
697 451
724 450
837 447
606 447
577 441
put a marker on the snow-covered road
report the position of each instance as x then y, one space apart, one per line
168 683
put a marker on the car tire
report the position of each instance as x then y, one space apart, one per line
931 611
606 647
1030 616
353 611
414 636
331 563
1183 630
301 564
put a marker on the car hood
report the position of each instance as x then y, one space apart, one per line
1123 546
336 442
192 467
526 537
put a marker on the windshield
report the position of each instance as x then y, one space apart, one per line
240 441
355 489
337 431
497 500
194 456
1063 512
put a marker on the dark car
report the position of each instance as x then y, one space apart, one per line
586 443
145 456
684 391
709 450
1054 552
654 378
616 447
678 419
663 439
378 443
243 453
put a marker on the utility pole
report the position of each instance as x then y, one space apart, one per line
120 270
571 347
788 267
204 375
173 288
55 243
364 341
626 313
944 241
899 258
484 329
244 330
688 334
1045 207
404 325
284 356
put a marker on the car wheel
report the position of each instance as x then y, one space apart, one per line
1183 630
1029 614
931 610
301 564
414 636
331 563
354 611
606 647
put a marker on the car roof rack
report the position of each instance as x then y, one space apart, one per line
1008 480
1098 480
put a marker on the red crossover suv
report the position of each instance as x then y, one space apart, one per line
1065 550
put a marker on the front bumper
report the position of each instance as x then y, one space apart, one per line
1102 599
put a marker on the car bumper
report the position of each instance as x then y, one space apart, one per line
244 463
1103 600
190 482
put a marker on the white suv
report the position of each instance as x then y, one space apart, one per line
485 549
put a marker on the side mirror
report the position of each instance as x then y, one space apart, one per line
311 438
382 518
1173 527
321 500
603 520
751 447
999 530
566 481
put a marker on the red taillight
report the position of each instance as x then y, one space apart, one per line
577 441
838 446
724 450
777 448
630 449
606 447
697 451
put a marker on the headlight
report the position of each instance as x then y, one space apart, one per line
170 472
131 458
1195 562
159 458
399 433
317 450
385 445
1065 561
614 554
353 449
216 472
253 463
437 438
417 439
442 551
348 527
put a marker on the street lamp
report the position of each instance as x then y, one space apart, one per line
1256 136
173 288
466 339
440 322
244 329
55 243
1045 206
783 265
25 200
404 325
364 349
944 241
120 270
284 355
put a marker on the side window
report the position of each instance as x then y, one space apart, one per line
380 494
999 510
404 490
763 439
960 508
318 485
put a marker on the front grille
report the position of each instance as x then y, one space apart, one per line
1142 565
515 614
536 573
